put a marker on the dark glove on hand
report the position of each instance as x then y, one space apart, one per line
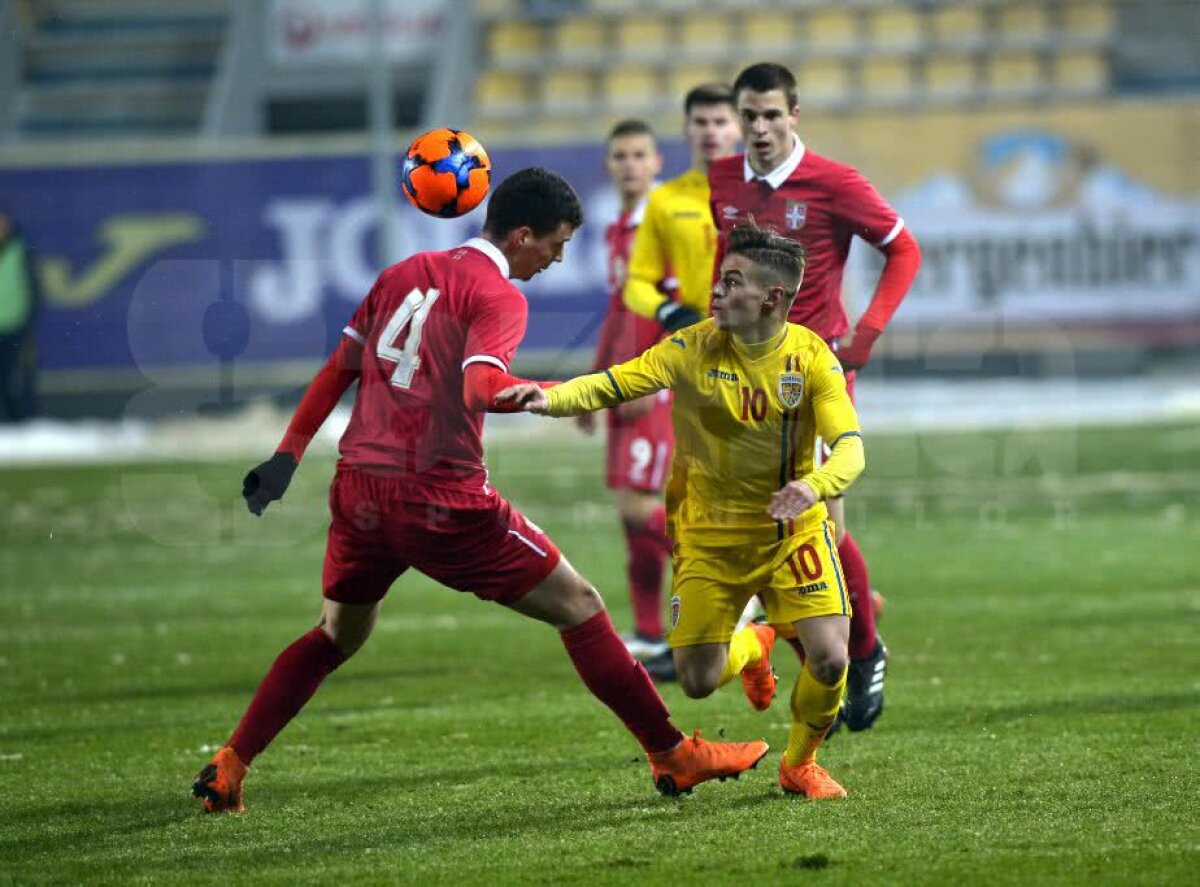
674 316
268 482
857 351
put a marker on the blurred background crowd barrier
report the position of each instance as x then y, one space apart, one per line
207 189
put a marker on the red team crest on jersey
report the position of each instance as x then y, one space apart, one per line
791 389
796 214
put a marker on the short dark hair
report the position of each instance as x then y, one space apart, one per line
536 197
631 127
779 260
765 76
708 94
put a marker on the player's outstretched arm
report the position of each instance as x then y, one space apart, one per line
268 481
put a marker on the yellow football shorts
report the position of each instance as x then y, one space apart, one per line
798 578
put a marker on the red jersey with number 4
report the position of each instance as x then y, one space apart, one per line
625 334
817 201
423 322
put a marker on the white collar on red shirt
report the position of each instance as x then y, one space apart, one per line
638 212
779 174
492 251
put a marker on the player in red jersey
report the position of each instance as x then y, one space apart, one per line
430 347
640 437
782 184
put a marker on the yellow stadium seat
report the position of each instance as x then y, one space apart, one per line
955 25
642 37
1081 72
832 29
950 77
823 83
1023 22
1013 74
567 90
682 79
896 27
1091 20
887 79
575 38
703 34
770 30
502 94
513 42
630 89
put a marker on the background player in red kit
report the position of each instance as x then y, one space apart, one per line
639 433
429 347
785 186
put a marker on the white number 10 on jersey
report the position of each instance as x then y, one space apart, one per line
415 308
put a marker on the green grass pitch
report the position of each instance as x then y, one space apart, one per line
1041 725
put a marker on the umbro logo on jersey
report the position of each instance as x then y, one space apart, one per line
729 212
723 375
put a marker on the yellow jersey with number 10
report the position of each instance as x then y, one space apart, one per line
746 419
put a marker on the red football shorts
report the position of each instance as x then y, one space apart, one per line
383 525
638 451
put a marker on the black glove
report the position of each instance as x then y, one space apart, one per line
268 482
674 316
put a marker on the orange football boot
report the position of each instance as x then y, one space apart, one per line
758 680
220 783
809 779
696 760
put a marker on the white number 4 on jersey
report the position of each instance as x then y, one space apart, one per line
415 309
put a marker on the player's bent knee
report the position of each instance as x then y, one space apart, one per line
696 683
828 666
348 626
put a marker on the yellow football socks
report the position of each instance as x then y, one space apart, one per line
744 649
814 706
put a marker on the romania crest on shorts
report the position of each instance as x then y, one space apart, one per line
676 604
791 389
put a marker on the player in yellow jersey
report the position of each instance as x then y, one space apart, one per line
752 393
677 235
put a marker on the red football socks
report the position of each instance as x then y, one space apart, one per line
862 623
619 682
290 683
648 550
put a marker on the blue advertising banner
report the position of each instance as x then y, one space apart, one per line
181 264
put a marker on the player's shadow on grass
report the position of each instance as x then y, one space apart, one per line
75 826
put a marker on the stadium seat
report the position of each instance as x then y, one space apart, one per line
502 94
895 27
769 30
1013 75
703 35
615 6
567 91
958 26
1081 72
832 29
682 78
886 79
1023 24
496 8
514 43
1089 20
642 37
631 89
950 77
580 38
823 83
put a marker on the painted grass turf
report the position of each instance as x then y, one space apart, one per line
1043 600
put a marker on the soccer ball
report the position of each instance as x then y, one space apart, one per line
446 173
